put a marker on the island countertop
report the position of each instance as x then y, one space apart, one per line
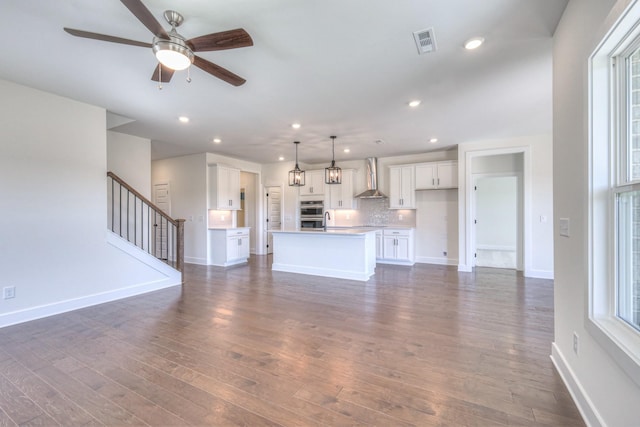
345 253
328 231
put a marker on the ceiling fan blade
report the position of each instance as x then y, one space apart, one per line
104 37
218 71
142 13
167 73
223 40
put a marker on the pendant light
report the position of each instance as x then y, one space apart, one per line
333 174
296 176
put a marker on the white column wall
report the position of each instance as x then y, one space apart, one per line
129 157
187 178
538 194
53 238
605 393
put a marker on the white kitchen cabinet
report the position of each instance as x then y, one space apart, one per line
224 188
402 187
436 175
341 195
314 183
228 246
396 246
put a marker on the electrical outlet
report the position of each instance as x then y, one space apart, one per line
9 292
575 343
400 217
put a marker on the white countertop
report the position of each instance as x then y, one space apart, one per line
330 231
229 228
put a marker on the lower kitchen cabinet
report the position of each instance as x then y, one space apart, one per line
228 246
395 246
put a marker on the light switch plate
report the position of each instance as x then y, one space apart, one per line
563 227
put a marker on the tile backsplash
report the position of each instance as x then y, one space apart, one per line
221 219
374 212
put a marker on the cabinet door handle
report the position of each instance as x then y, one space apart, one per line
438 181
239 242
433 181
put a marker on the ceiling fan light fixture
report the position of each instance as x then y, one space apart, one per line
173 53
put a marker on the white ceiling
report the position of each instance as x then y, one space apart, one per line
339 67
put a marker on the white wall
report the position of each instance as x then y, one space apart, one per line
129 157
248 181
437 227
54 209
497 213
538 199
605 392
187 178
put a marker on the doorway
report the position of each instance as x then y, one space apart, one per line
497 221
273 214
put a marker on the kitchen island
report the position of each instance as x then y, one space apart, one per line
342 253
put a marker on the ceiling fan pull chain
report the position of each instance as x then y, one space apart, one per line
188 74
159 76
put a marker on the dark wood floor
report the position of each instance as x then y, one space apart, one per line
244 346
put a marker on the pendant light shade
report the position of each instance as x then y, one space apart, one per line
296 176
333 174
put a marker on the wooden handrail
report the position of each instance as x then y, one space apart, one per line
141 197
178 223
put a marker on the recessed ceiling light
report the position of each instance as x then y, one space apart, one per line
379 141
346 150
281 158
433 140
473 43
217 140
183 119
414 103
296 125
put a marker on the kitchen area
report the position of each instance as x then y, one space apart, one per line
376 206
344 234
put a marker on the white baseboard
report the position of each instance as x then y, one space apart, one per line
539 274
172 277
582 401
393 261
194 260
465 268
47 310
436 260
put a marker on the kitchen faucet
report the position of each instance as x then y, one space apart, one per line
327 217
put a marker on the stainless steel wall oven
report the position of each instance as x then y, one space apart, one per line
311 212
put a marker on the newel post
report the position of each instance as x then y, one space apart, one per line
180 246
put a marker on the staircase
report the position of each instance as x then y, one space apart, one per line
136 219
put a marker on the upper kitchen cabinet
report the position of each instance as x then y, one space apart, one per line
437 175
224 188
402 187
314 185
341 195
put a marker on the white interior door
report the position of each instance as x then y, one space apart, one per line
162 199
273 215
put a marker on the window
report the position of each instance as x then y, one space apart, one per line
626 187
614 193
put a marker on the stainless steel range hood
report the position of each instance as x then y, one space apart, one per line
372 181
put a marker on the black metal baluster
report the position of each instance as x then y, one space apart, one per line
120 211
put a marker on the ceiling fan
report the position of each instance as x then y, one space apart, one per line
172 50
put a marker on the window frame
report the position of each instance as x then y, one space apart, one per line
606 131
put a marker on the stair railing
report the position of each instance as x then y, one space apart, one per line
135 218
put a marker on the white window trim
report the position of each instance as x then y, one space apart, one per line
619 339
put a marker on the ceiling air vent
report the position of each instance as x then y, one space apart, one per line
425 41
